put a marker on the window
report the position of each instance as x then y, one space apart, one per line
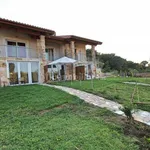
21 50
49 66
50 54
65 52
11 49
79 55
16 49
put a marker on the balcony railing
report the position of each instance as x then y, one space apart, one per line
18 52
80 57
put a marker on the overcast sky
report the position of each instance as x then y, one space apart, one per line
122 25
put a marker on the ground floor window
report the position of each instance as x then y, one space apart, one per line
23 72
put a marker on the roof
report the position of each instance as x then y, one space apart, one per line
63 60
55 38
49 34
78 38
26 26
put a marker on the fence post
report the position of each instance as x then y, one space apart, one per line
92 86
80 78
71 80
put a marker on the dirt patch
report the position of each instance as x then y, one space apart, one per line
141 132
42 112
136 129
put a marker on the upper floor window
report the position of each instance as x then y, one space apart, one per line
16 49
50 54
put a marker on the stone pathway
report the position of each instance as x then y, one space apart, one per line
141 116
137 83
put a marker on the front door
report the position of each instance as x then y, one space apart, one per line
80 73
23 72
62 72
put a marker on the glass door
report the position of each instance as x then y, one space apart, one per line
11 49
13 73
35 72
21 50
23 72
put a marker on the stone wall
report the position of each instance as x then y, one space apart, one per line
43 62
68 50
3 74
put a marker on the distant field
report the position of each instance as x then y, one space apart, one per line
114 89
43 118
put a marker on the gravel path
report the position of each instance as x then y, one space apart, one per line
141 116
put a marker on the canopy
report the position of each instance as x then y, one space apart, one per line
63 60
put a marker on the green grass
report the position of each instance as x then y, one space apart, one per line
37 117
114 89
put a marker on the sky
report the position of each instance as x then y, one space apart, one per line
122 25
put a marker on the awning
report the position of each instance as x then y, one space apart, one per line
63 60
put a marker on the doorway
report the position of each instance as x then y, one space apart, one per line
62 72
80 73
23 72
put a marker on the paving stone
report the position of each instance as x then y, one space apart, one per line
137 83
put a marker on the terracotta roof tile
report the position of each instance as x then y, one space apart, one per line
74 37
24 25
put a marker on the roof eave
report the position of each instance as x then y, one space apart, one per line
77 38
26 26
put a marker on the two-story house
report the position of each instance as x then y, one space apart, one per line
26 51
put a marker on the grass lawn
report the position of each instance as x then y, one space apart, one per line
114 89
37 117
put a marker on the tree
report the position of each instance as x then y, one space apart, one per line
111 62
143 64
118 63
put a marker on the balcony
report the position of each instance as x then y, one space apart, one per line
80 57
18 52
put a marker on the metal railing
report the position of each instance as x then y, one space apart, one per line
80 57
25 52
18 52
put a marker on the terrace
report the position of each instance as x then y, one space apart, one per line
14 51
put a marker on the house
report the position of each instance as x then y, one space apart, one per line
26 51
